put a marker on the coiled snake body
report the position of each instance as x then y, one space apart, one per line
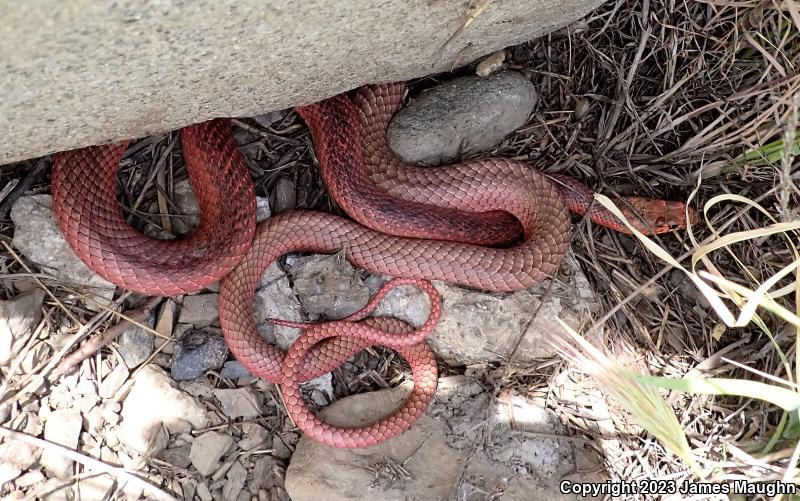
416 223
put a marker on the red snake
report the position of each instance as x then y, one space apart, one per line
418 223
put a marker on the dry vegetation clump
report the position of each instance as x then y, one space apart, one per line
698 101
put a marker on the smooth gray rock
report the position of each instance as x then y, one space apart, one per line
464 115
196 352
92 71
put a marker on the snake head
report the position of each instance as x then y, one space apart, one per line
653 217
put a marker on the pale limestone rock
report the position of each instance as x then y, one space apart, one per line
37 236
64 428
176 411
18 319
207 449
466 443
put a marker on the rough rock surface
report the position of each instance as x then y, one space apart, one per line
328 286
18 319
178 412
275 299
62 427
480 326
475 326
170 64
464 115
463 446
37 236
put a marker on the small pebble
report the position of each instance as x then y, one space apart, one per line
490 63
166 318
136 344
207 450
199 310
262 209
233 369
176 456
239 402
196 352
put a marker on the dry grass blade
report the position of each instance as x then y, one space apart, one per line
649 409
121 474
781 397
755 298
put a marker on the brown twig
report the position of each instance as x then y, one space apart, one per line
96 342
